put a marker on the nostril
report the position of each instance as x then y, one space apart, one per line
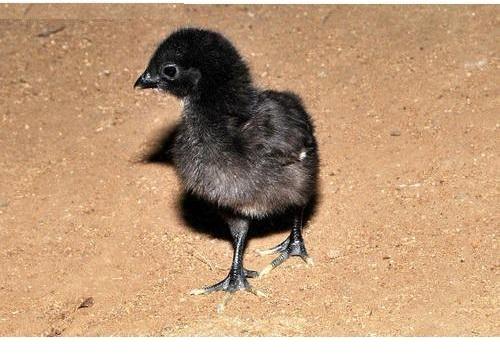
170 71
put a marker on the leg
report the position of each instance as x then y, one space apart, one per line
248 273
236 279
292 246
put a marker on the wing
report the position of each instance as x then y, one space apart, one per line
281 129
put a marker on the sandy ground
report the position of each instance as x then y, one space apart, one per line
406 106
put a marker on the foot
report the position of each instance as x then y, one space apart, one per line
288 248
231 284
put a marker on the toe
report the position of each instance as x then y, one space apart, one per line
276 262
276 249
198 292
222 285
225 300
266 270
264 251
257 292
309 261
251 273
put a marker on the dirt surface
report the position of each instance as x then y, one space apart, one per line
406 105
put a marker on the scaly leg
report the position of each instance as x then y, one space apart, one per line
237 277
292 246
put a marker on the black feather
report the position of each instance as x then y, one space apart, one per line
250 152
245 149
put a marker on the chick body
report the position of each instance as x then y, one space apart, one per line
250 152
257 166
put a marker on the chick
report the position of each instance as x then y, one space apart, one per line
250 152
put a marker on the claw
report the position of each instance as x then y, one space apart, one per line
198 292
309 261
225 300
276 262
257 292
265 271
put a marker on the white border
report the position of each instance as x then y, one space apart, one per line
235 345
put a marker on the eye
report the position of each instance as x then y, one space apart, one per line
170 71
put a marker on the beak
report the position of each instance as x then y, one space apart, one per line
146 81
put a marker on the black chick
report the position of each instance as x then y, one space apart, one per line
250 152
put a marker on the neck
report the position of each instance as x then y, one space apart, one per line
216 116
229 99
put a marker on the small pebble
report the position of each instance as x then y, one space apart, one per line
88 302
